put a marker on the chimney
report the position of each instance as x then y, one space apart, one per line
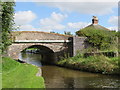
95 20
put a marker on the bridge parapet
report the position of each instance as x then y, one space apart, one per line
37 35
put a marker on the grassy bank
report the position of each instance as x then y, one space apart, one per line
17 75
97 64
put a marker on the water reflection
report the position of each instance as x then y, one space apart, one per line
58 77
31 58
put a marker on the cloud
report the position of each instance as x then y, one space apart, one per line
77 25
93 8
113 20
27 27
52 28
113 28
24 17
53 22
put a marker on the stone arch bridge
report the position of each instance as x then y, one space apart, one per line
52 43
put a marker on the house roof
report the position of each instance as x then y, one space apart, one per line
96 26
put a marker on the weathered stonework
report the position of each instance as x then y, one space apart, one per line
16 48
78 44
36 35
58 48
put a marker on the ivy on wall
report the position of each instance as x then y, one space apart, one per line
100 39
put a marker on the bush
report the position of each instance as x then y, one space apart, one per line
102 39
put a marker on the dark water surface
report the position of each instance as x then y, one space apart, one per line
58 77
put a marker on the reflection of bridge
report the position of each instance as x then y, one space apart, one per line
49 42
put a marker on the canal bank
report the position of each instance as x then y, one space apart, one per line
18 75
95 64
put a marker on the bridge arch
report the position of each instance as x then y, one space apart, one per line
47 55
54 48
41 47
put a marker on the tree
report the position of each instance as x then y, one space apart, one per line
6 22
52 32
67 33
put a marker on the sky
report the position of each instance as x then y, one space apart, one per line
53 16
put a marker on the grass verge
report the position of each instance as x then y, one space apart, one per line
97 64
17 75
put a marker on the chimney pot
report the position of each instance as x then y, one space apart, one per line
95 20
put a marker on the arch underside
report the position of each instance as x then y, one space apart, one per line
41 48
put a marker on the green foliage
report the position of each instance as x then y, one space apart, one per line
100 39
97 63
31 49
7 22
52 32
118 34
67 33
17 75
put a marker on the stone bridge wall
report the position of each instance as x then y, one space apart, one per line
59 49
36 35
15 49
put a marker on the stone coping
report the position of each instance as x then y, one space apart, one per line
41 32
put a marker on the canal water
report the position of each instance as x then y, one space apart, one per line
59 77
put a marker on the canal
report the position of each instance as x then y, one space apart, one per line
59 77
